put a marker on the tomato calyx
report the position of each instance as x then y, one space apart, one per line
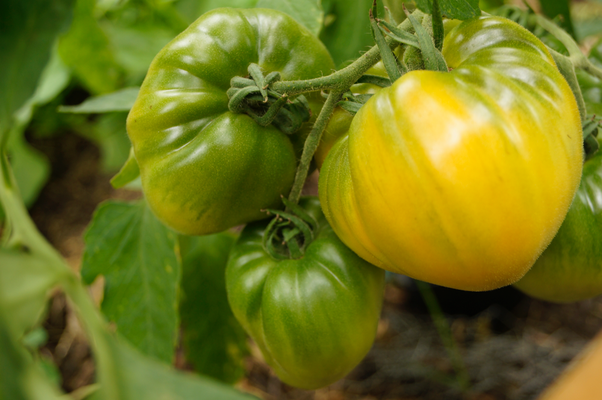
289 233
252 96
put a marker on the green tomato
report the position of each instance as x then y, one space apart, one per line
313 318
203 168
571 267
460 178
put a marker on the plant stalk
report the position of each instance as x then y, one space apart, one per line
311 144
445 334
342 79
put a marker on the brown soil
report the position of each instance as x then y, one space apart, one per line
512 347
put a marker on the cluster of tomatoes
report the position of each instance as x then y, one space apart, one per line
461 179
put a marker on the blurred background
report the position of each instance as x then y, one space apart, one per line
70 139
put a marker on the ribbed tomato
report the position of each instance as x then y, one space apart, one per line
460 178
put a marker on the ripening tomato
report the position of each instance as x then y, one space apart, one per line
460 178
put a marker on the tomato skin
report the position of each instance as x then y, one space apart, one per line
460 179
570 269
313 318
203 168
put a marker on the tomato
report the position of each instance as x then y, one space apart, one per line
571 267
313 318
203 168
460 178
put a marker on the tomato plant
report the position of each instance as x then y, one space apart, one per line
204 168
449 151
463 178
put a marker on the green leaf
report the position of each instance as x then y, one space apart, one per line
25 284
30 167
29 29
347 29
214 341
20 378
455 9
424 5
138 257
120 100
128 172
135 47
125 374
110 135
85 49
307 12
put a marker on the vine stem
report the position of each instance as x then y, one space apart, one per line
344 78
445 334
578 59
311 144
22 233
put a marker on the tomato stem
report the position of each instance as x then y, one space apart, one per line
311 144
344 78
445 334
578 59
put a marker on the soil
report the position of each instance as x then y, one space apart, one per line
511 346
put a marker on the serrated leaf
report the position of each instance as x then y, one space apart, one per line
29 29
25 284
120 100
137 256
214 342
307 12
85 49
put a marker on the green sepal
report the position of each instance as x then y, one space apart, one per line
350 106
388 58
433 59
128 172
376 80
300 212
398 35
